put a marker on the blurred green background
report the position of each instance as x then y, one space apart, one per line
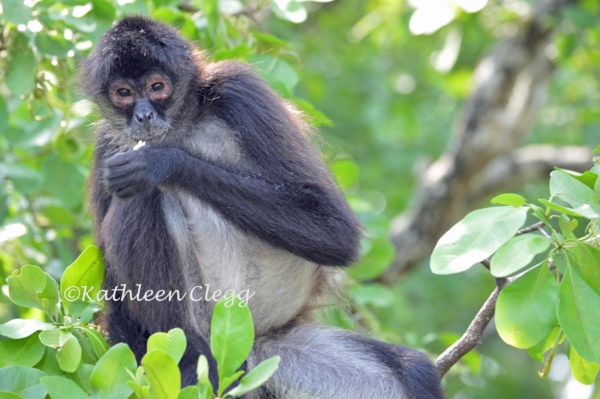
383 80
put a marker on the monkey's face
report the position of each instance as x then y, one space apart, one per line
143 102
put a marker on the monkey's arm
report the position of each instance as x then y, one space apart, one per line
294 203
303 218
307 219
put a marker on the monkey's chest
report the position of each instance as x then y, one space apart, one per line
278 283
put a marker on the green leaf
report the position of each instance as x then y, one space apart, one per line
203 376
110 373
9 395
81 376
16 11
567 226
375 262
314 116
172 343
277 72
54 338
163 375
211 11
517 254
582 199
104 9
526 309
371 294
475 238
21 352
97 341
65 180
27 180
562 209
231 336
227 381
20 76
345 171
510 199
21 328
538 350
31 287
68 349
62 388
578 314
587 262
588 177
87 274
190 392
52 44
583 370
4 115
48 364
256 377
24 381
69 354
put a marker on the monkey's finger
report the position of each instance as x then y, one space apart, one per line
115 172
115 184
131 190
120 159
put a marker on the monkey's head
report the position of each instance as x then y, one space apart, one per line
140 75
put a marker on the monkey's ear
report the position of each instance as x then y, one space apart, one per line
95 71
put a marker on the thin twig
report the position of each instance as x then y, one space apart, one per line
472 337
529 229
486 263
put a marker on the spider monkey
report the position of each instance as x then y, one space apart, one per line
228 191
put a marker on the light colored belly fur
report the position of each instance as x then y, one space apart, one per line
281 284
225 257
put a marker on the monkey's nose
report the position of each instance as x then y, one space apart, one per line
147 116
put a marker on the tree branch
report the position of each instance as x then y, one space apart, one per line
472 337
526 164
510 85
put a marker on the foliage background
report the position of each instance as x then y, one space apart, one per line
384 98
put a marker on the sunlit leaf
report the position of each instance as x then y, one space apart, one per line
256 377
517 254
173 343
21 352
475 238
62 388
583 370
23 381
511 199
578 314
163 374
526 309
231 336
110 374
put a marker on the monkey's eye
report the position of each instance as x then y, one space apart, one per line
158 86
124 92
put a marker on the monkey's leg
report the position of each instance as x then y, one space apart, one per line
121 327
325 363
141 255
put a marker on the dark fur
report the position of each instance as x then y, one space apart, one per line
285 196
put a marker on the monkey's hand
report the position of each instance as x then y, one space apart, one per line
139 171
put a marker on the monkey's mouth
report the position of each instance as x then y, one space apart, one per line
148 134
